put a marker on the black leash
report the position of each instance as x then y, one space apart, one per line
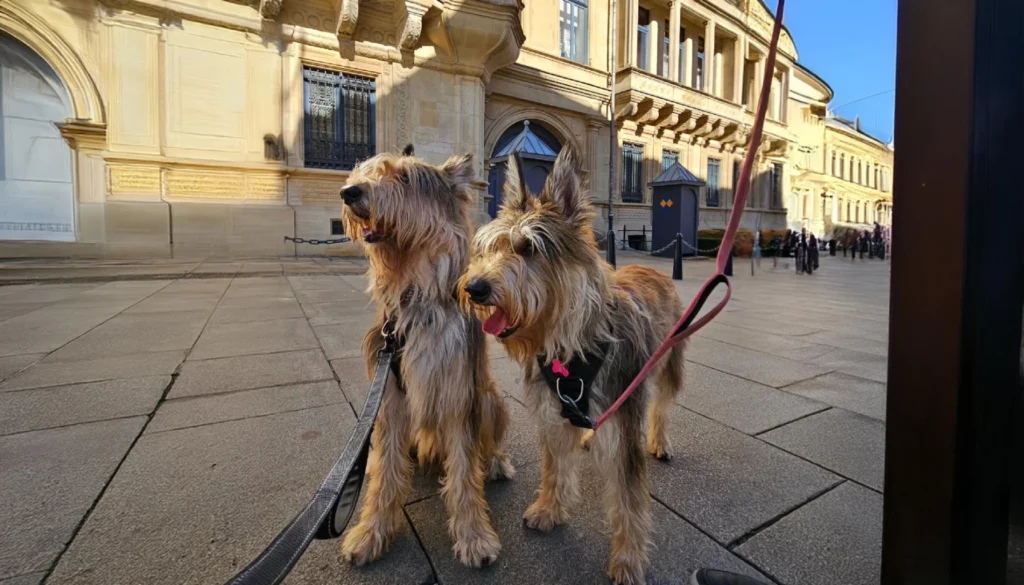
331 508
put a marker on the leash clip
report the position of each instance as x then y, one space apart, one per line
387 331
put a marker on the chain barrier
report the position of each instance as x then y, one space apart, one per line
626 246
316 242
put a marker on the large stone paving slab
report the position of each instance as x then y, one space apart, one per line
573 554
834 539
127 334
194 506
750 339
855 363
47 373
753 365
50 479
728 483
43 408
250 371
268 309
203 410
849 444
741 404
11 365
848 392
232 339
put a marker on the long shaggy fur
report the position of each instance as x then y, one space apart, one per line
412 218
561 300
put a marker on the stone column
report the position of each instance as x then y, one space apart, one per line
758 80
477 37
598 189
710 81
739 64
629 24
673 40
654 46
688 59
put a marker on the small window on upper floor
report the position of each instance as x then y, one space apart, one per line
573 25
339 123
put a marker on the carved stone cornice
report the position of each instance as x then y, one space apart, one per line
347 12
412 29
484 34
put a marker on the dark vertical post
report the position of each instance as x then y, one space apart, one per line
677 259
955 329
728 264
612 139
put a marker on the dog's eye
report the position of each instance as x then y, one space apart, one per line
525 247
403 177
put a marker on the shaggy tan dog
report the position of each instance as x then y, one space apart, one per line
412 218
538 282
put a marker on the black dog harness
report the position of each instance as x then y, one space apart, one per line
573 389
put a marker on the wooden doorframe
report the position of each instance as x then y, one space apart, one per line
957 288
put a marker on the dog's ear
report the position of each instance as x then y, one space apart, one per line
408 150
516 192
460 174
563 187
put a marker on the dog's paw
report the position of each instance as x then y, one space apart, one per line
363 545
626 573
544 517
478 551
660 449
501 467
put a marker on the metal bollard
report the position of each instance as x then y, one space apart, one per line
677 259
610 255
728 265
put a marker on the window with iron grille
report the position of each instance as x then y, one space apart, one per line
632 167
573 25
668 158
339 119
776 202
713 184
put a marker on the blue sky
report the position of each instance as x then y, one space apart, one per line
851 44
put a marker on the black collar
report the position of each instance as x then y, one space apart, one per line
573 390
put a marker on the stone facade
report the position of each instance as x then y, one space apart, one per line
181 128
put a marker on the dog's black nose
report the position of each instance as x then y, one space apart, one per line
351 194
479 290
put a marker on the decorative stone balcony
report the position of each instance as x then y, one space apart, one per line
686 113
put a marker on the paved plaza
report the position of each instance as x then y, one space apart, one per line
161 428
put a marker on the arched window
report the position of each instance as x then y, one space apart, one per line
860 172
833 163
842 166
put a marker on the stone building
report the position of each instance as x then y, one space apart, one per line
218 127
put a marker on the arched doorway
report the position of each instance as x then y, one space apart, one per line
537 148
36 194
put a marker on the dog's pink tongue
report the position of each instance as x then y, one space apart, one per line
496 323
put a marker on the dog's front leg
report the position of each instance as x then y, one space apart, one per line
476 542
390 471
559 487
626 494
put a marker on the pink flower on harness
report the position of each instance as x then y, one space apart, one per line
558 368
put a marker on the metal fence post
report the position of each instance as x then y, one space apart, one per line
677 259
728 265
610 256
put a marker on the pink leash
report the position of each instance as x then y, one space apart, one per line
686 325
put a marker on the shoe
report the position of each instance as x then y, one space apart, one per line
713 577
